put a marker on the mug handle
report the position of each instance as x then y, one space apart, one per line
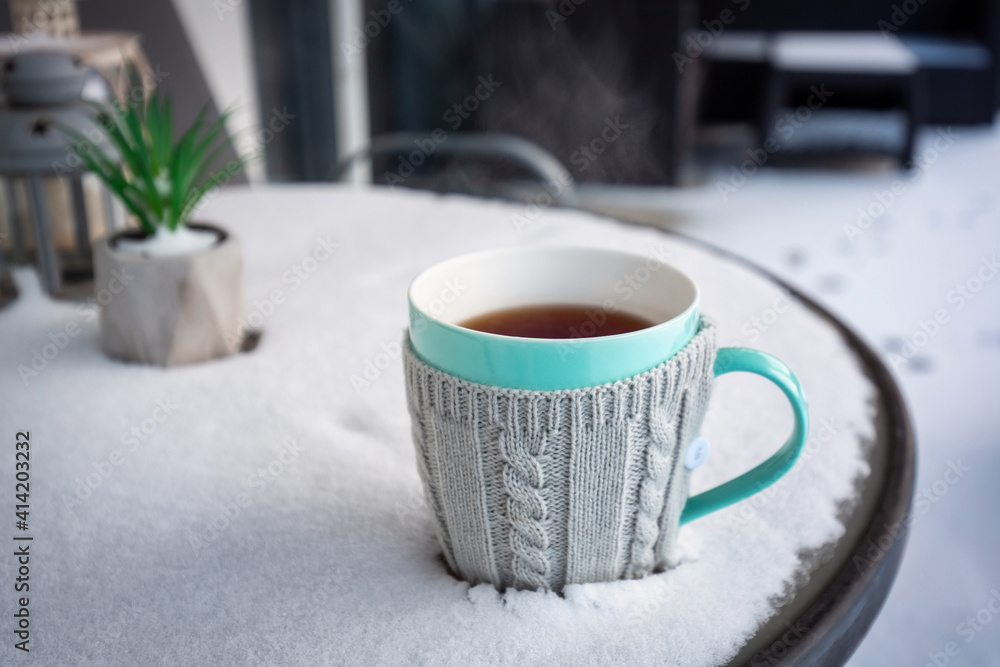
730 360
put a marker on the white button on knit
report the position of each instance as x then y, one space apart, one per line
697 452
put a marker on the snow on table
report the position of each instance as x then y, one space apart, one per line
266 508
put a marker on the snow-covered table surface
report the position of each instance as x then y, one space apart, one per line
266 508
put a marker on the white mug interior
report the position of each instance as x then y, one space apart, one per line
470 285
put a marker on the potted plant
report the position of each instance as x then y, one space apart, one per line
171 291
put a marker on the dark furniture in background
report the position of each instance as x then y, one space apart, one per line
827 66
960 75
957 43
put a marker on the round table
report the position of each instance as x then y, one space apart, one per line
266 508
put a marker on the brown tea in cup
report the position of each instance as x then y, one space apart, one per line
556 321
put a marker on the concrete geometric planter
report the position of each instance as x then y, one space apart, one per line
170 310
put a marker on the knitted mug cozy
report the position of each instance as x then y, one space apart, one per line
539 489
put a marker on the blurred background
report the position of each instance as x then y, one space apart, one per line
847 147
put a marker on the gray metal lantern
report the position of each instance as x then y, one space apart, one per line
42 93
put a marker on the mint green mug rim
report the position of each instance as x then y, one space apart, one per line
693 306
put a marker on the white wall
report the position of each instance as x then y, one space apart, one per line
219 31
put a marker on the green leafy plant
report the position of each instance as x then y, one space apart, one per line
159 180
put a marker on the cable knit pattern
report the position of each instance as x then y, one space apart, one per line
539 489
523 478
660 460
